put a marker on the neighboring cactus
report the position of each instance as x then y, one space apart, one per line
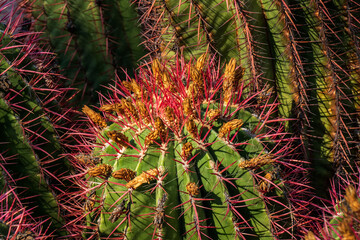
94 39
34 173
183 157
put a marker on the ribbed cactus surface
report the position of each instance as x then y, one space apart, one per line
180 155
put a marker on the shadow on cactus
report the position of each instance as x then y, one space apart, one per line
179 154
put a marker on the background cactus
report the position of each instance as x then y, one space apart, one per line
35 179
93 40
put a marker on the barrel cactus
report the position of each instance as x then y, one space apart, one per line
180 154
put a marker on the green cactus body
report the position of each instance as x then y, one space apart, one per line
255 46
44 202
208 195
280 45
